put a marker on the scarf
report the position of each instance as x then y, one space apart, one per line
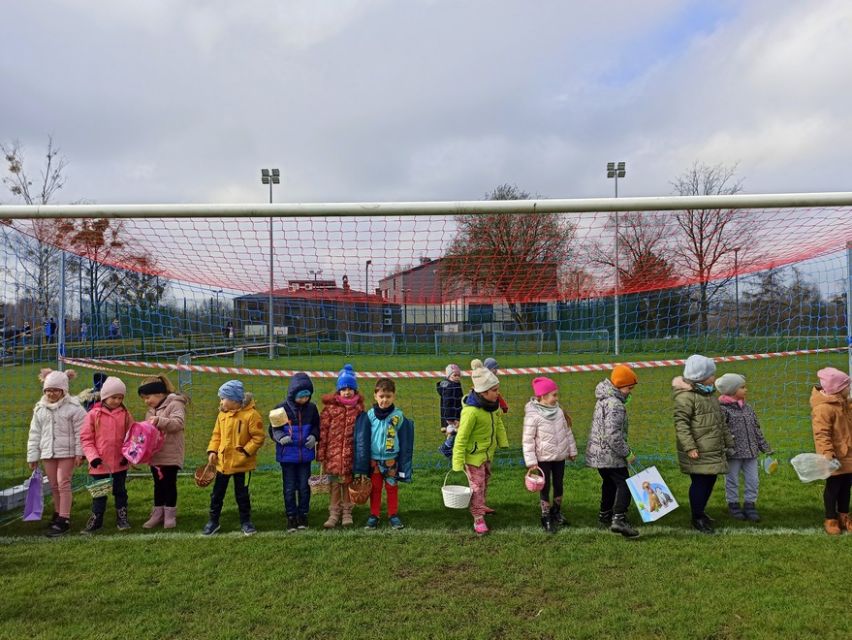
381 414
546 411
490 407
348 402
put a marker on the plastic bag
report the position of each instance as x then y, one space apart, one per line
813 466
34 505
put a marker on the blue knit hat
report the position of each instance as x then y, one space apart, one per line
346 378
490 364
299 383
233 390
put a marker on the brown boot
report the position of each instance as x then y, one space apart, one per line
333 506
832 527
845 522
346 504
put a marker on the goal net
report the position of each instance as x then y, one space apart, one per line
510 342
359 343
593 341
459 342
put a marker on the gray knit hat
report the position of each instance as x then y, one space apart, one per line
730 383
698 368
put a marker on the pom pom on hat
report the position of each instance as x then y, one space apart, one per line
483 378
543 386
346 378
622 376
56 379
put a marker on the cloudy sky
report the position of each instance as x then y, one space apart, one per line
357 100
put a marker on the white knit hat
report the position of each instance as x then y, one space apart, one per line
483 379
698 368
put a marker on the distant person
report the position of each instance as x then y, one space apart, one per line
84 331
228 331
26 333
91 398
53 327
491 365
450 391
48 330
115 329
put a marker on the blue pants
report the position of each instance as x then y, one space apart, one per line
295 476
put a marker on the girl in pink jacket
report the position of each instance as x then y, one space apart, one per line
102 435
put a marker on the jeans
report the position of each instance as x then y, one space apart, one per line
748 466
699 492
241 493
615 496
295 476
119 492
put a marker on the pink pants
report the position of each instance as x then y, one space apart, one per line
59 472
477 478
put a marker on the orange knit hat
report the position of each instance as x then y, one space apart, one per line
622 376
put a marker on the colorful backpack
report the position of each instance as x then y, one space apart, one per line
142 442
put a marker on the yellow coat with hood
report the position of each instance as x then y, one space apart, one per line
237 437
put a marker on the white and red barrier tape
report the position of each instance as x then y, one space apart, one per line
92 363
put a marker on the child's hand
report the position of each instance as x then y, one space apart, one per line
78 460
310 442
285 441
242 451
572 458
211 457
631 458
693 454
33 465
154 420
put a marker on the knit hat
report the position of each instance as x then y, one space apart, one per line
56 379
622 376
491 364
483 378
298 383
451 369
231 390
346 378
112 386
698 368
730 383
543 386
832 380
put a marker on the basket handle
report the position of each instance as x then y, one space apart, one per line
448 475
535 468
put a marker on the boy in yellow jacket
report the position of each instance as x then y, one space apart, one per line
233 447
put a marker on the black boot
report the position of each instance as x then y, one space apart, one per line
547 524
736 511
52 522
556 516
703 524
621 525
121 522
750 512
605 518
60 527
94 523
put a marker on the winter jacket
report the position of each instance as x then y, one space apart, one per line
480 433
171 419
832 424
700 424
302 421
89 398
607 446
336 448
237 437
102 436
451 399
546 439
55 429
368 428
745 429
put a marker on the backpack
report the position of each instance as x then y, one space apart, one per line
142 442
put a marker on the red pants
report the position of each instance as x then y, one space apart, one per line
392 491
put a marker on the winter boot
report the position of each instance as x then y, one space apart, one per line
52 522
94 523
605 519
546 523
703 524
333 507
169 517
292 525
621 525
556 516
750 511
845 522
121 522
60 527
832 526
155 519
347 507
736 512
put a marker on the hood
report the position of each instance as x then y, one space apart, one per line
175 398
605 389
680 385
472 400
248 403
818 398
299 382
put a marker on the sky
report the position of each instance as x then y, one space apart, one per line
380 100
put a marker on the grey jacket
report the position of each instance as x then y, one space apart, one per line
607 447
742 421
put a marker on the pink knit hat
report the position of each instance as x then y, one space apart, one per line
832 380
543 386
56 379
113 387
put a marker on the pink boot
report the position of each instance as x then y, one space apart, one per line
155 519
170 517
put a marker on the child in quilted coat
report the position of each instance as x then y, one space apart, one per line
336 448
548 441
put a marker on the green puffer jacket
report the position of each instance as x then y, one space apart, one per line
700 424
480 433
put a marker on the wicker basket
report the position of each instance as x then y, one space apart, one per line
455 496
204 474
99 488
359 490
320 483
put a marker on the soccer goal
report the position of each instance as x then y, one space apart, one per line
594 341
358 343
459 342
517 342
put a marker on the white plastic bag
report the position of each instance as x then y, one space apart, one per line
813 466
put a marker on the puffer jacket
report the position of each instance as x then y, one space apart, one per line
700 424
368 428
607 446
480 433
742 421
547 439
55 429
336 448
831 417
171 419
102 436
237 437
451 399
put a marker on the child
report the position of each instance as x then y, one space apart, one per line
102 436
832 426
607 449
450 391
296 441
384 448
491 365
336 448
167 412
91 397
548 441
54 439
703 437
233 447
748 443
481 431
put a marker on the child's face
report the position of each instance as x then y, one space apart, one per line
229 405
384 398
626 390
492 394
741 393
114 402
346 392
549 399
153 400
845 391
455 376
303 399
709 381
54 395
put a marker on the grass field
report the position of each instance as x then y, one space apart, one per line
780 578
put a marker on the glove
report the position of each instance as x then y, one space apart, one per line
96 463
834 464
285 440
310 442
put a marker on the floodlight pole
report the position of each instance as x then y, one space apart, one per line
737 290
616 170
271 177
849 303
60 327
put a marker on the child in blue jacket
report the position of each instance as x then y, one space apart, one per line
296 433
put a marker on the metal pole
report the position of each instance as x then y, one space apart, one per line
849 303
271 282
616 320
737 290
60 335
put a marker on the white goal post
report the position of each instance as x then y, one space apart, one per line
459 342
517 339
590 341
358 342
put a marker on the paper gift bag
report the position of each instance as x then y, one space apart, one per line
34 504
651 494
